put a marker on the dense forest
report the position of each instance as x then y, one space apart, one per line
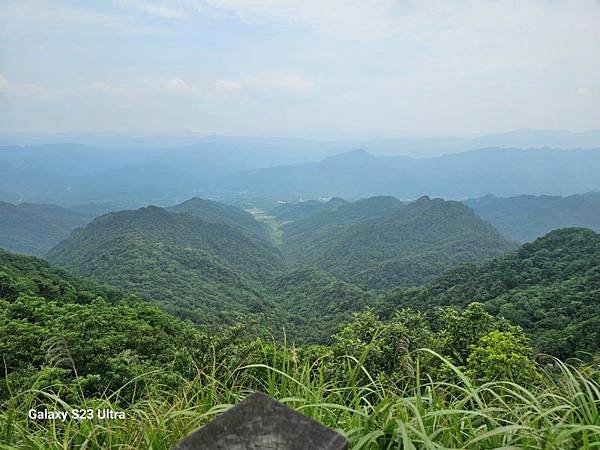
212 263
215 212
379 243
191 266
209 262
390 321
550 287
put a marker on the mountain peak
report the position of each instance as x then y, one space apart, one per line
352 155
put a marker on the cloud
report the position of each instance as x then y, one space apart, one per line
228 86
279 86
464 65
165 10
32 89
359 19
19 18
182 88
582 92
106 88
177 85
4 84
350 18
256 86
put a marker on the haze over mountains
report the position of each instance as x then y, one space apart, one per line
234 170
36 228
287 150
502 172
354 174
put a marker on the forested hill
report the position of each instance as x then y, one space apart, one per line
215 212
337 212
197 268
527 217
35 228
550 287
51 321
382 243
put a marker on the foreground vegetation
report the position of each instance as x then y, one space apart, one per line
561 412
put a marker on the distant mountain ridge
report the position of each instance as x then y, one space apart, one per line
498 171
34 229
526 217
69 174
318 148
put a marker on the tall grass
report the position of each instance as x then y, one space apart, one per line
562 413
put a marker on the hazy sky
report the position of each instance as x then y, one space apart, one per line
378 67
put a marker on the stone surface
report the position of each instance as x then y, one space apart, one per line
261 423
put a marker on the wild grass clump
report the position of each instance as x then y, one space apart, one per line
412 412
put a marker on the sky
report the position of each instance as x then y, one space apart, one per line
299 67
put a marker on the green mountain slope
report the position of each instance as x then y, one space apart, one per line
52 322
215 212
305 238
311 304
334 213
550 287
382 243
527 217
35 228
196 268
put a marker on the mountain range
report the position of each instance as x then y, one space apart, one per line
283 150
209 262
497 171
69 174
380 242
215 212
549 287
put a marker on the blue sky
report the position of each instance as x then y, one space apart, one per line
299 67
